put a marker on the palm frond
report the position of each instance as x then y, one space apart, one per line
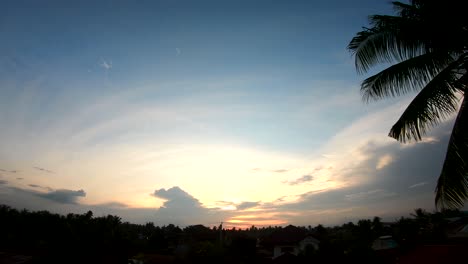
391 39
452 186
407 10
401 78
426 41
462 83
399 6
434 103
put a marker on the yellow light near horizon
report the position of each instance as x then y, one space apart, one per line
131 173
228 208
259 223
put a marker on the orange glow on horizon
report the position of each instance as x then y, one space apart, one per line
259 223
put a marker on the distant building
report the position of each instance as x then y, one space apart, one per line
290 240
384 243
386 248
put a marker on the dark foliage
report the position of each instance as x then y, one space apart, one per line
83 238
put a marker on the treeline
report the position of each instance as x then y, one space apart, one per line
353 241
83 238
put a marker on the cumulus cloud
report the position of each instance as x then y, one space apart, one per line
179 208
34 200
303 179
63 196
182 208
176 198
58 201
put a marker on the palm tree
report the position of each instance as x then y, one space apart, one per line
426 45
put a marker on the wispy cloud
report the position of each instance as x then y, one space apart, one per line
303 179
42 169
227 205
113 205
106 64
270 170
419 184
384 161
40 186
280 170
373 194
9 171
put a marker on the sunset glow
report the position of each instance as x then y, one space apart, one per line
201 112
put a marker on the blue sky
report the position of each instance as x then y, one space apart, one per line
230 109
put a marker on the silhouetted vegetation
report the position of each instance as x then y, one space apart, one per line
425 43
84 238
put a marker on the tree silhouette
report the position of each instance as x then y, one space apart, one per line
84 238
427 44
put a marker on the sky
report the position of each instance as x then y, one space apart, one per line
201 112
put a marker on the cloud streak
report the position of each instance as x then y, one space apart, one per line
107 65
280 171
301 180
372 194
247 205
419 184
9 171
40 187
43 170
